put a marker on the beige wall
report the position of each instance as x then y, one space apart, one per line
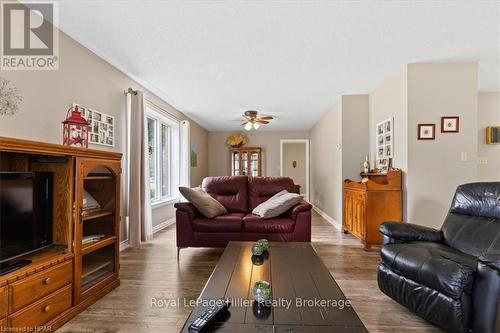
295 151
339 144
390 100
355 134
488 115
218 155
435 168
326 162
86 79
432 169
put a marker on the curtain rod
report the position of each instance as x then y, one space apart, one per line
131 91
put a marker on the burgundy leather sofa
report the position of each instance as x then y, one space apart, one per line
240 195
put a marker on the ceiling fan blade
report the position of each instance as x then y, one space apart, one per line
260 121
246 117
266 117
244 123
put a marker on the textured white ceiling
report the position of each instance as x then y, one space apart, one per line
214 59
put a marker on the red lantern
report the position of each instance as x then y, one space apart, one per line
76 129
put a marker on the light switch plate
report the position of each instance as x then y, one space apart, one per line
482 160
463 156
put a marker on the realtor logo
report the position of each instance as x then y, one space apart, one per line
29 39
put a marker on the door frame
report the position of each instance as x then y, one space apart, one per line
306 141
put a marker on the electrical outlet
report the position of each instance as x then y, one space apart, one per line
482 160
463 156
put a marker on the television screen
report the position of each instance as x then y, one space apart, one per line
25 213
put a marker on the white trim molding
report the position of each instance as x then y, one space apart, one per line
163 225
306 141
328 218
124 244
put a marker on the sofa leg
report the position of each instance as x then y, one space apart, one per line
179 252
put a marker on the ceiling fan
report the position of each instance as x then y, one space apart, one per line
251 119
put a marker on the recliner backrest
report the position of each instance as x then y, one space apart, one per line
473 223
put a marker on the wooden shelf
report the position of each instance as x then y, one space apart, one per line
98 177
96 215
94 266
89 248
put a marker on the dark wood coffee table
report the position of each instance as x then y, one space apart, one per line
296 274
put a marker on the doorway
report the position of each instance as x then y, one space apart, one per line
294 163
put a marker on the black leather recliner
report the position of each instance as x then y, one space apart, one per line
450 277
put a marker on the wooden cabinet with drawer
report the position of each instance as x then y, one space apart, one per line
42 311
3 324
4 301
371 203
26 291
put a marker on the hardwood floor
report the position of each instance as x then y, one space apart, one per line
152 272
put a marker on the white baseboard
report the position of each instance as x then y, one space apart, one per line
163 225
124 244
327 217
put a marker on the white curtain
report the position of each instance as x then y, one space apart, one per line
185 154
139 202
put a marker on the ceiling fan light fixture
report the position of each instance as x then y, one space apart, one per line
256 125
248 126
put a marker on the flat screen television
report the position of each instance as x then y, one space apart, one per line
25 216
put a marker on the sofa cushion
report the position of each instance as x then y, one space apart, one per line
256 224
205 204
231 222
262 188
277 204
432 264
230 191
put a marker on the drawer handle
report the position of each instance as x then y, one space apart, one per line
47 281
46 308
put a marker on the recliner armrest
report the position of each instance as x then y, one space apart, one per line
491 260
187 207
407 232
299 208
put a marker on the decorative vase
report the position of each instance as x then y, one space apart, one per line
261 310
262 292
366 165
264 243
257 260
257 249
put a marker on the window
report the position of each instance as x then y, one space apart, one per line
163 155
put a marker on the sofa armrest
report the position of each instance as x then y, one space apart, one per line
299 208
406 232
188 208
491 260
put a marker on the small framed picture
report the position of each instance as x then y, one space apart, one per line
426 131
450 124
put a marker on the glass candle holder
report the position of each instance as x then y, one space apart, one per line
262 291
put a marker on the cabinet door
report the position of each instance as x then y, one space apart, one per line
97 225
347 211
235 163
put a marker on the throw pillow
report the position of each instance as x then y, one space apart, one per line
277 204
205 204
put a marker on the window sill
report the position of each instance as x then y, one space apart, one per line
164 202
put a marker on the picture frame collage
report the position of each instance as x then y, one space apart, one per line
385 144
102 126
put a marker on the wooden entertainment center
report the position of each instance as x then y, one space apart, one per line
63 280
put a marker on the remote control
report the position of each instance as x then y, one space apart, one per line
207 318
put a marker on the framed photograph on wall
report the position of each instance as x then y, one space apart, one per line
426 131
385 144
102 126
450 124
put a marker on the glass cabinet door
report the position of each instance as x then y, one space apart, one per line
254 164
235 163
96 245
244 163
